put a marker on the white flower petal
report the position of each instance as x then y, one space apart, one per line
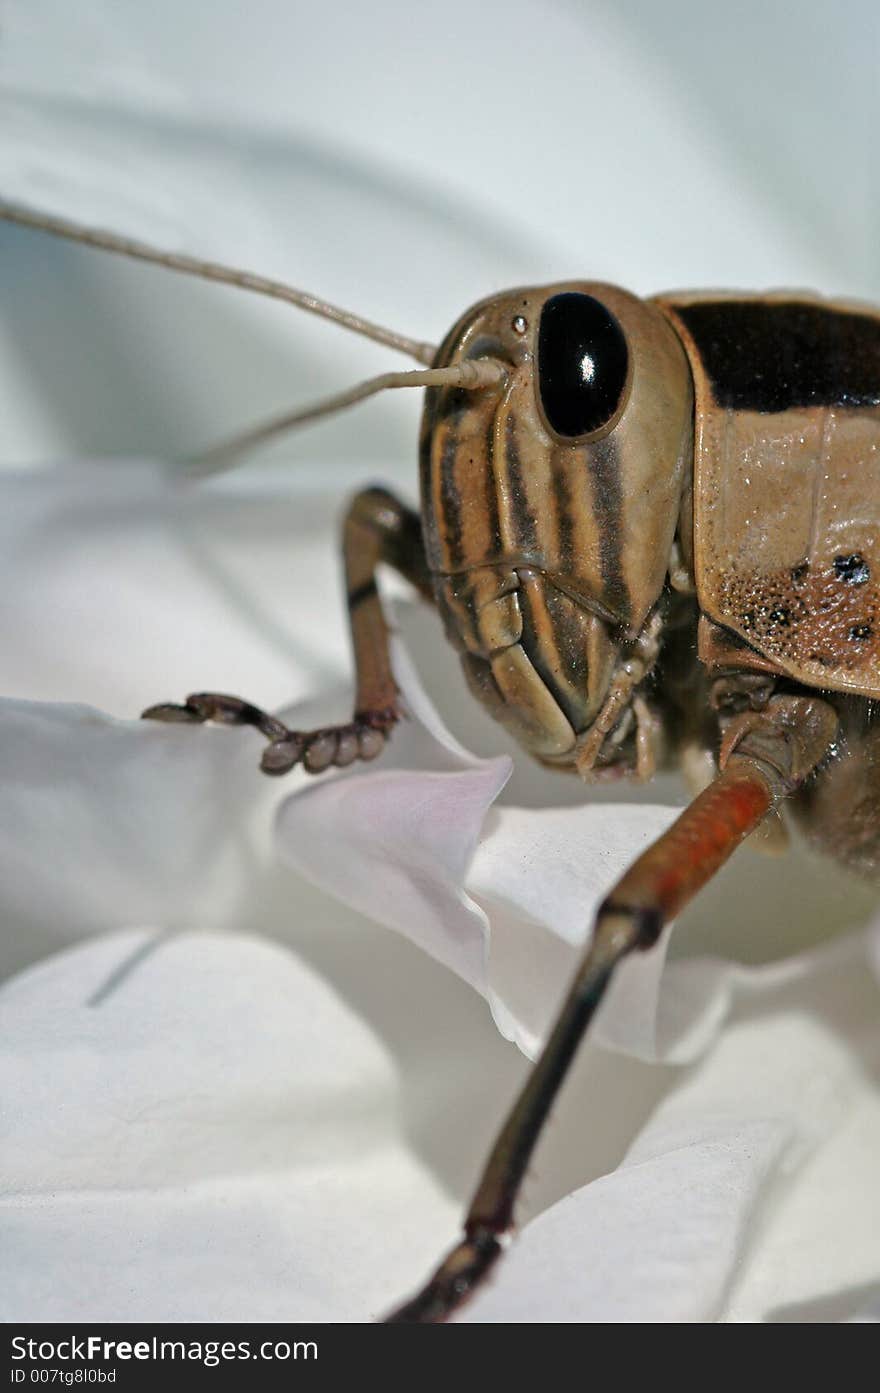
217 1116
104 822
395 846
507 897
409 844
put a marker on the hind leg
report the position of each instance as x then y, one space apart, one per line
765 758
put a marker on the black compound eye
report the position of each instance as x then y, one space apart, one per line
582 363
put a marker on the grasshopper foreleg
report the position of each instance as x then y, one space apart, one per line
377 528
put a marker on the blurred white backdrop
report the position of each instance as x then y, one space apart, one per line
403 160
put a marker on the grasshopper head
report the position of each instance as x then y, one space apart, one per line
551 501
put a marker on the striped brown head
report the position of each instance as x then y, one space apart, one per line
551 502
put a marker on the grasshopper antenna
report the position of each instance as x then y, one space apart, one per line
212 271
472 375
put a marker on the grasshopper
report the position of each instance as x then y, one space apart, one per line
652 530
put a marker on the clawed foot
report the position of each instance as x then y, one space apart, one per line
316 750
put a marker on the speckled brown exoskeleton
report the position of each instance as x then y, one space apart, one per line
652 530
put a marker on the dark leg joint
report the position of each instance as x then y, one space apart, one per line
367 591
453 1282
645 922
224 710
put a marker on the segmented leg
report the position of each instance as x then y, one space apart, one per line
765 756
378 528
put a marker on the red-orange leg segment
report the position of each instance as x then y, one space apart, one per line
766 756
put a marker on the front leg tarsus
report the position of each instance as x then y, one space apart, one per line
316 750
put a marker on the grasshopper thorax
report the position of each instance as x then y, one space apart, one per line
551 503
